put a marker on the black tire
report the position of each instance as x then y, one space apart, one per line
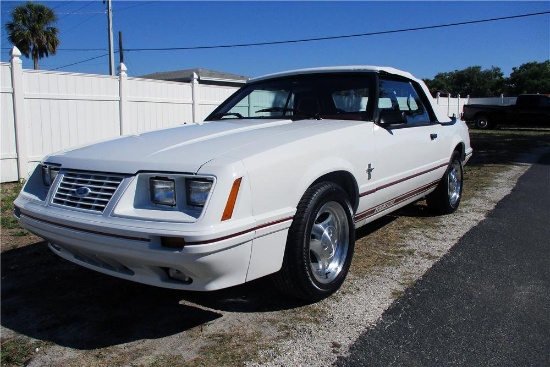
483 122
319 246
445 199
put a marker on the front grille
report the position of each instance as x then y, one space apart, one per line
86 190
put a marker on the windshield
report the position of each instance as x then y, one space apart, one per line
319 96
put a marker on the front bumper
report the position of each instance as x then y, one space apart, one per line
213 258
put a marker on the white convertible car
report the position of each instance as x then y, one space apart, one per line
275 181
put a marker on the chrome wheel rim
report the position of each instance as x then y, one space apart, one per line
454 182
329 242
482 123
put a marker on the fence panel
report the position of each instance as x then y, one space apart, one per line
209 97
154 104
64 110
452 106
501 101
8 158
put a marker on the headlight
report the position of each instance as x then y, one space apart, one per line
163 191
49 173
197 191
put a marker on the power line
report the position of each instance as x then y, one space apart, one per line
84 21
77 10
133 6
60 5
80 62
337 37
83 13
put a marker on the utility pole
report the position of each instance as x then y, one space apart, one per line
120 49
110 26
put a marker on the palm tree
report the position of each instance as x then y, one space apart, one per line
31 31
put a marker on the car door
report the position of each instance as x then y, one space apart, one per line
411 158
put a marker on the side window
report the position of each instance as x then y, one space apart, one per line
401 96
351 100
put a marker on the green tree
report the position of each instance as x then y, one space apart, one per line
31 31
472 81
531 77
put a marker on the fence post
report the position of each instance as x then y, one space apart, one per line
20 123
448 104
458 107
123 100
195 95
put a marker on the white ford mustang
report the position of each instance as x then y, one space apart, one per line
275 181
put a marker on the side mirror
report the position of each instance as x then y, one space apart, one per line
391 117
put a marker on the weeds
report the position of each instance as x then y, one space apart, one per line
9 193
18 351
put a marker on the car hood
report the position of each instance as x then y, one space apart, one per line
185 148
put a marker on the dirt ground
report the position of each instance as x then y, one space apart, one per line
60 314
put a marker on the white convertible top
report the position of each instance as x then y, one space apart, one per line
337 69
439 111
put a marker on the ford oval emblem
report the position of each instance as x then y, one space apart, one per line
82 192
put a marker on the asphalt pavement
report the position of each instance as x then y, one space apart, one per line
486 302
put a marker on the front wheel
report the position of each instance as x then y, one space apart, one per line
446 197
320 244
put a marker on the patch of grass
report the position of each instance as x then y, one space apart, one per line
18 351
381 244
11 231
231 348
9 221
8 193
20 233
505 146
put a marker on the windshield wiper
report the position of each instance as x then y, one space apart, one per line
295 110
222 114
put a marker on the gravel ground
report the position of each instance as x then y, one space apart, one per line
363 300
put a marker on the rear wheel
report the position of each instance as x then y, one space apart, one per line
320 244
483 122
445 199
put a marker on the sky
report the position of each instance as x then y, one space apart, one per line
184 24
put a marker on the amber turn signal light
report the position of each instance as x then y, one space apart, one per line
231 200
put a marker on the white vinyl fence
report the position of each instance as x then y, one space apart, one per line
453 105
43 112
497 101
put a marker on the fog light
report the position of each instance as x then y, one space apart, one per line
55 247
179 275
172 242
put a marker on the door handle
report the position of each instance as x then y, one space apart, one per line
433 136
